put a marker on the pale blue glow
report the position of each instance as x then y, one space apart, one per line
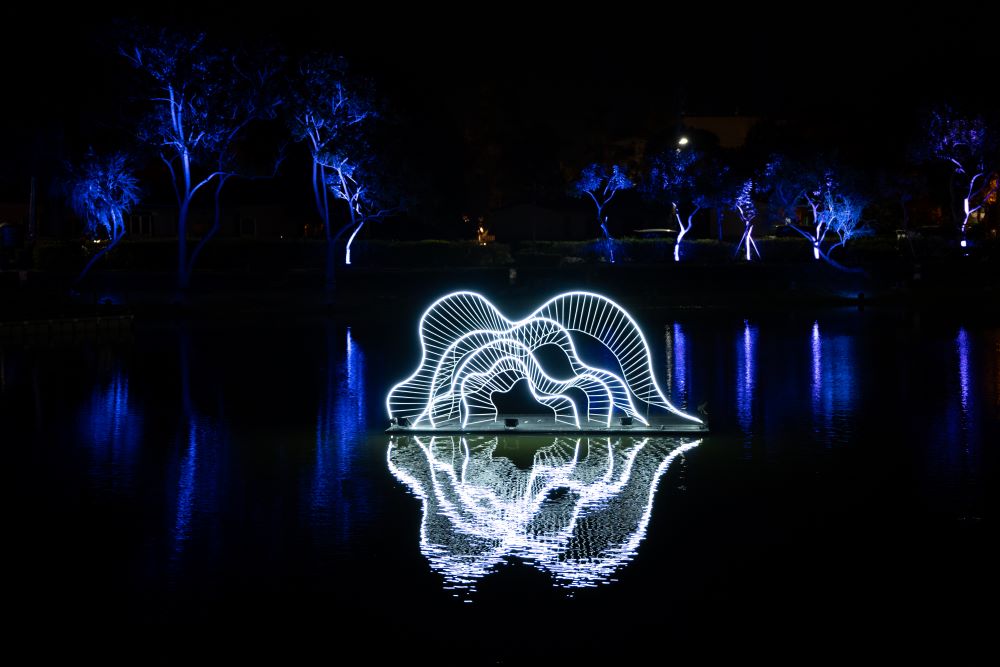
964 243
465 340
746 378
579 513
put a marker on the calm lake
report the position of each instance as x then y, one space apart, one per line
230 480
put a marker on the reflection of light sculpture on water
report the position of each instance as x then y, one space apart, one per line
579 512
470 351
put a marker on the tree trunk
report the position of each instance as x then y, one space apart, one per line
32 215
216 225
93 260
183 280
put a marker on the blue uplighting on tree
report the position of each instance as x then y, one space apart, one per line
835 213
832 209
683 177
249 95
357 187
183 125
742 203
102 191
203 101
967 145
331 112
601 185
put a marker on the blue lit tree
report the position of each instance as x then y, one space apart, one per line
968 147
742 202
249 95
832 208
836 217
203 101
601 185
686 179
331 111
356 183
741 182
184 125
102 191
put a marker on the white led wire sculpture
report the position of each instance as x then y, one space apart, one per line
469 351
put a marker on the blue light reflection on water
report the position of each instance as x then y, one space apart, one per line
800 384
341 425
677 365
833 389
962 344
200 443
746 377
111 427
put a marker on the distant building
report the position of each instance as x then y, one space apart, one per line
530 222
253 221
732 131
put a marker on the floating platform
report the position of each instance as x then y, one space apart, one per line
543 424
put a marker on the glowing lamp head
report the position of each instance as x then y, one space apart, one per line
964 243
683 141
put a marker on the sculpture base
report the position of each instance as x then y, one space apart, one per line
547 424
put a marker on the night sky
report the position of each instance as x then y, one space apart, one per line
547 90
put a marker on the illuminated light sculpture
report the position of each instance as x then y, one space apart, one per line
470 351
579 513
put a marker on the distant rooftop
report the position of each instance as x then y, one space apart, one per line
731 130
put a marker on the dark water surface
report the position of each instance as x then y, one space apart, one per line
229 483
